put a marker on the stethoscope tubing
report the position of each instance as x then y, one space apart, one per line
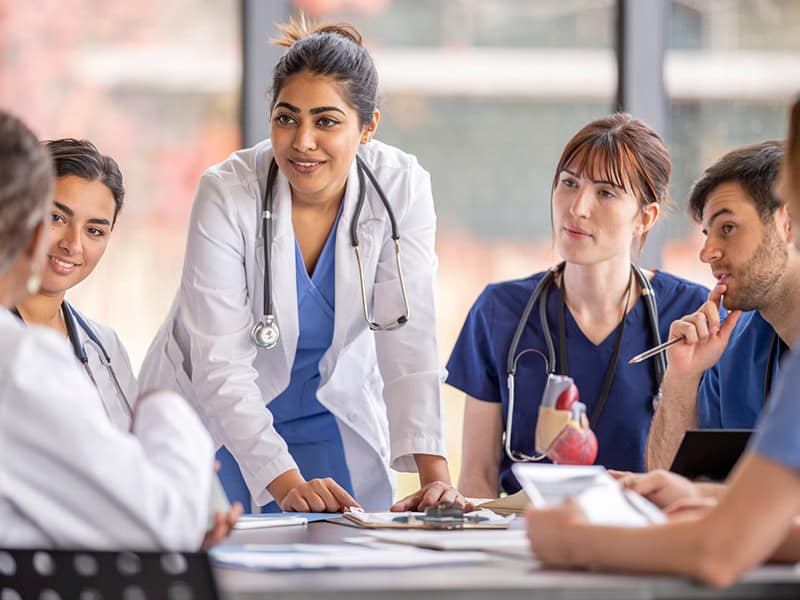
73 320
265 333
540 294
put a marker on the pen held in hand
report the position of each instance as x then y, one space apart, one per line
655 350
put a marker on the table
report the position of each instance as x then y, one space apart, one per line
502 578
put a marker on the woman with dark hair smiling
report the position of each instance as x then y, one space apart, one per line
306 339
88 196
69 478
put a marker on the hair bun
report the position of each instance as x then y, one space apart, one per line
298 28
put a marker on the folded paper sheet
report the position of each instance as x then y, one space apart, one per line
511 541
289 557
514 504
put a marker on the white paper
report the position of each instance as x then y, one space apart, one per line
262 522
317 556
600 496
506 541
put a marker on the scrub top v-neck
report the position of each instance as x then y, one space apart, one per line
309 429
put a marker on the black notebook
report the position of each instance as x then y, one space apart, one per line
710 453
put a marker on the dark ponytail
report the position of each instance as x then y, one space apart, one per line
334 51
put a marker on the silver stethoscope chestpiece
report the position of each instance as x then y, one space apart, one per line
265 333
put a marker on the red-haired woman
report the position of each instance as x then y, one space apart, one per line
586 316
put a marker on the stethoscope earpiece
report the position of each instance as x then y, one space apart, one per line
265 333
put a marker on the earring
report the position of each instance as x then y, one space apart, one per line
34 281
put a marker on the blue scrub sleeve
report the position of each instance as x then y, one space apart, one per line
709 415
776 435
472 367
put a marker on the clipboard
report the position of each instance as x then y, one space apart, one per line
480 519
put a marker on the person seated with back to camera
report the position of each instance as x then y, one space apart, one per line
70 478
607 194
755 520
720 376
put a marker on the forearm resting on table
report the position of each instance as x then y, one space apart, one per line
676 413
789 550
752 523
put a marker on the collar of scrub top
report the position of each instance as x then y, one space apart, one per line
266 333
540 293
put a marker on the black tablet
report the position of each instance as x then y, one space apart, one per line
709 453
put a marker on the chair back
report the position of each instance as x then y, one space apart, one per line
87 575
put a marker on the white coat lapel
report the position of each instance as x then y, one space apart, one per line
278 362
349 312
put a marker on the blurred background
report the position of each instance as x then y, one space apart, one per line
484 92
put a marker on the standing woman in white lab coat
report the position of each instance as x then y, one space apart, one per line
68 477
315 421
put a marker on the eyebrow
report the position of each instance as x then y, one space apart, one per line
64 208
600 181
71 213
313 111
720 212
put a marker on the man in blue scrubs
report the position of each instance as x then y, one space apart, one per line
719 377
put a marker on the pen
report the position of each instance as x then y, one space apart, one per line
655 350
661 347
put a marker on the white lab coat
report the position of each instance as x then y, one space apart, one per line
384 388
114 404
70 479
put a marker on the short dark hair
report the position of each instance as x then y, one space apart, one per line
333 51
755 168
26 181
82 159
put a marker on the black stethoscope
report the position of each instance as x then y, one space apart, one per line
73 320
265 332
541 290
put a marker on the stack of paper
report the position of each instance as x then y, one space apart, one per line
268 520
600 496
317 556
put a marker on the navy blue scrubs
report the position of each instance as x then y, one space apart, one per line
730 396
477 365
